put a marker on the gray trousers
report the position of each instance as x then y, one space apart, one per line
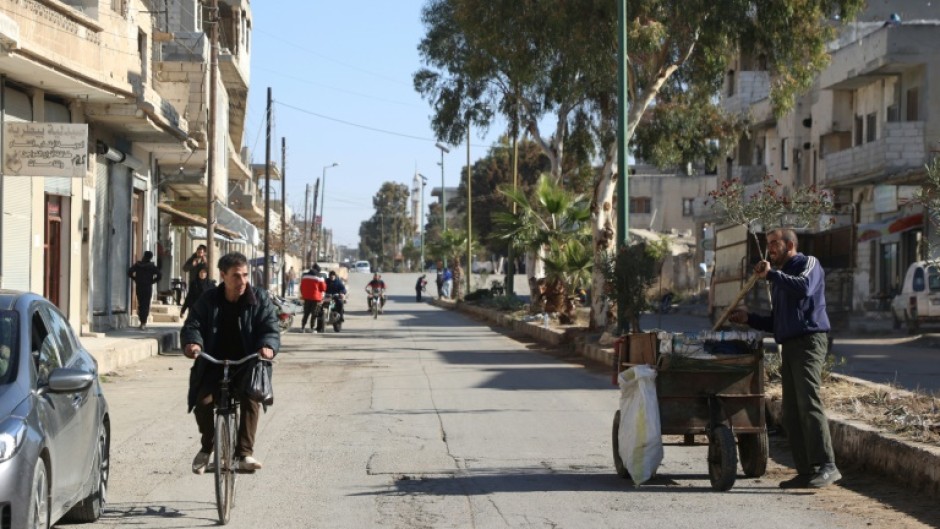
804 417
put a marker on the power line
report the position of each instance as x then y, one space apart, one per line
349 92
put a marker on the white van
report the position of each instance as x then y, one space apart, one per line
919 300
361 267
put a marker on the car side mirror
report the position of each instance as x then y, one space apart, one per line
68 380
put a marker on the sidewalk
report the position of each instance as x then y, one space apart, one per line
122 347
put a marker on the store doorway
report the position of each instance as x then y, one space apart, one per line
52 249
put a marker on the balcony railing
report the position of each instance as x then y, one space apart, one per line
749 174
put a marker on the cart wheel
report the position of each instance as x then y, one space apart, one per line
618 463
754 449
688 439
722 458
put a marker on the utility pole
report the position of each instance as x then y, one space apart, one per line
444 150
469 213
283 215
511 268
623 109
211 143
303 244
267 195
315 227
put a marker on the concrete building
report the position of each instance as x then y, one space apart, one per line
864 133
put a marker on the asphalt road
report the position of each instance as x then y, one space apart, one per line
425 419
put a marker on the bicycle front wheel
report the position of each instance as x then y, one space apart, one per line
225 465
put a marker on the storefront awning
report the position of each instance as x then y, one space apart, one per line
874 230
235 222
190 219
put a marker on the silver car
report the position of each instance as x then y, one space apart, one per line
54 423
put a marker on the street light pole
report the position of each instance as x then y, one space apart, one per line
322 205
444 150
424 182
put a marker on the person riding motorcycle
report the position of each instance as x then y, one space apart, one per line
335 287
376 285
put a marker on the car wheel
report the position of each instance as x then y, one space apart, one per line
89 509
38 515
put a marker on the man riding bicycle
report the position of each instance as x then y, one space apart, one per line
376 285
335 287
230 322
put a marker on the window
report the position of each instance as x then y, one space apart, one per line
730 83
859 130
688 207
44 347
60 328
871 127
641 205
8 344
913 104
142 53
784 150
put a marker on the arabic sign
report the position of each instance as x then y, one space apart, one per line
45 149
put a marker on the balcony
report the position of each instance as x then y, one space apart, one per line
238 170
246 200
901 149
749 174
750 87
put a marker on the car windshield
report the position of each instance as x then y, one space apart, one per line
8 328
933 279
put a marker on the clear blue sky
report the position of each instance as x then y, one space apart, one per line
347 67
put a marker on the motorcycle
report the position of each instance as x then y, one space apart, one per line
285 313
375 303
329 314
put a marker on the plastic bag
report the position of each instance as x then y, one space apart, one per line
259 388
640 438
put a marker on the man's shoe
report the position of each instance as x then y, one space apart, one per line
248 464
200 462
314 331
800 481
825 476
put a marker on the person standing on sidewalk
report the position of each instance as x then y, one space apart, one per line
144 274
312 287
420 286
197 287
439 280
448 278
229 322
197 258
291 281
800 325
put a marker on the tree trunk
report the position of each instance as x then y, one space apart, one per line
603 229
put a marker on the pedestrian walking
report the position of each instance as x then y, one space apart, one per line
439 280
144 274
291 281
448 278
800 325
420 287
197 287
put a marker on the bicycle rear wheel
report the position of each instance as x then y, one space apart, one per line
225 428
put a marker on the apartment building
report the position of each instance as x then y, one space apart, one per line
864 132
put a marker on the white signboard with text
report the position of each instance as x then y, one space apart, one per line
45 149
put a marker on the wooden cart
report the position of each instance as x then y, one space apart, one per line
721 397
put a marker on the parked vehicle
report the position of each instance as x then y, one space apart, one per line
54 421
285 313
362 267
919 299
329 315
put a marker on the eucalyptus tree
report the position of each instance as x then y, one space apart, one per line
384 234
536 61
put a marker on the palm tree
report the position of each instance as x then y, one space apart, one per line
552 228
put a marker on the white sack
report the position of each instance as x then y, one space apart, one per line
640 438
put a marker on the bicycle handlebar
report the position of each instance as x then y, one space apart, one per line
214 360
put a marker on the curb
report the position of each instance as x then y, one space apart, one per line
915 466
113 353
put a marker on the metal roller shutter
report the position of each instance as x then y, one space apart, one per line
120 236
17 206
102 234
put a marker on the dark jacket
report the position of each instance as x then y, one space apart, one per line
197 287
335 286
192 266
799 300
257 323
144 274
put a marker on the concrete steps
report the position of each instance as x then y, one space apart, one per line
160 313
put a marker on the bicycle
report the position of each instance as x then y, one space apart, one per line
226 430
